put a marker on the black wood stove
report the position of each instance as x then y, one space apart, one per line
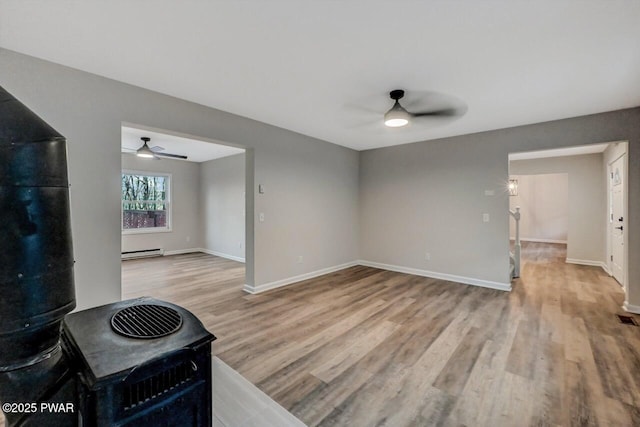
140 362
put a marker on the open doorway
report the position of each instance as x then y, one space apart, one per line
572 205
183 215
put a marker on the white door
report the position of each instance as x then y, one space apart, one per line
617 219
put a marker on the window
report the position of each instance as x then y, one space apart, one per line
146 203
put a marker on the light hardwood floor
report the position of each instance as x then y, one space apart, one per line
367 347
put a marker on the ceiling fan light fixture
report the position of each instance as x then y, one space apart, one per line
396 116
145 151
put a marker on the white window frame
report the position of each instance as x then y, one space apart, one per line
167 202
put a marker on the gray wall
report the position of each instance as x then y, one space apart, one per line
429 196
543 200
185 205
310 206
317 212
586 240
223 209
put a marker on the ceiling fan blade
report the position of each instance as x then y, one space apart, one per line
374 124
430 104
361 109
157 148
447 112
173 156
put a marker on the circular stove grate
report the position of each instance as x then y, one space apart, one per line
146 321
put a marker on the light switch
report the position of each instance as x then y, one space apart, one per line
261 216
485 217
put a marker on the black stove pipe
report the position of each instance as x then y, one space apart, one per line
36 265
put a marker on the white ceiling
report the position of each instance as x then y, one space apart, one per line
195 150
324 68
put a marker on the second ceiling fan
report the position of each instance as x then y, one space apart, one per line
155 152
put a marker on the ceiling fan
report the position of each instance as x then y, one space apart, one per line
398 116
155 152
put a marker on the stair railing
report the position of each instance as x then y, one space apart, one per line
517 248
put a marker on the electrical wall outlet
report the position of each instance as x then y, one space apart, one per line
299 259
427 256
261 216
485 217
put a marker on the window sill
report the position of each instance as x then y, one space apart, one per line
146 231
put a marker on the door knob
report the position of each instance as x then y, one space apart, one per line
620 219
619 228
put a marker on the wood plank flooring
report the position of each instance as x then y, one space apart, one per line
367 347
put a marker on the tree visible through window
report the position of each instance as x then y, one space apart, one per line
145 202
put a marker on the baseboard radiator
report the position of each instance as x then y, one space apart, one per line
143 253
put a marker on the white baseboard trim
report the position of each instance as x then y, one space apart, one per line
602 265
222 255
290 280
443 276
181 251
536 240
635 309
